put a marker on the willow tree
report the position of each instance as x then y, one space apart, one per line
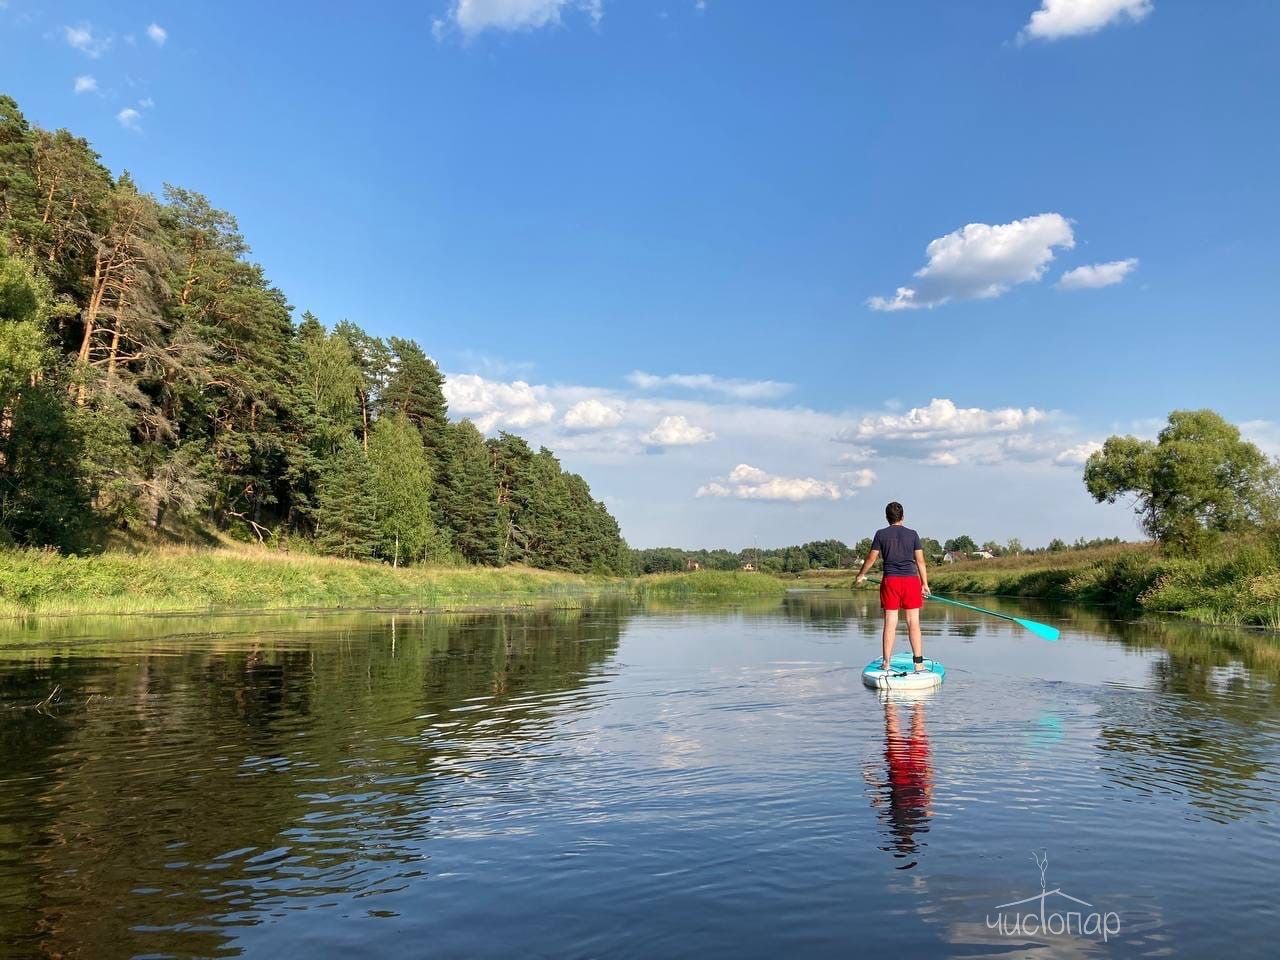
1196 478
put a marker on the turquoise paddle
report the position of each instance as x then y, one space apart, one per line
1041 630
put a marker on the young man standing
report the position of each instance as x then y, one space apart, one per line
905 583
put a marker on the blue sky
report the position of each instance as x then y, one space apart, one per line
667 238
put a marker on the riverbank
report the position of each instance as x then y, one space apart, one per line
708 585
1236 583
177 579
183 579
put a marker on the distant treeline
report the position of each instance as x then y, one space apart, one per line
152 377
831 554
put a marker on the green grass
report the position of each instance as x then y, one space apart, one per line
708 585
1237 582
168 579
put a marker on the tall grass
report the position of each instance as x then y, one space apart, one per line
184 578
1237 581
707 585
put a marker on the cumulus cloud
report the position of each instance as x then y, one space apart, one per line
1097 275
129 118
1076 455
475 16
592 414
746 482
1073 18
86 84
858 455
158 34
738 389
860 479
676 431
941 418
83 38
982 260
491 404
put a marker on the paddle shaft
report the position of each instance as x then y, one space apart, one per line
1042 630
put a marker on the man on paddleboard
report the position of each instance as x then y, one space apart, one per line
905 583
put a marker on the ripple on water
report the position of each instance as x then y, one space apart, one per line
605 782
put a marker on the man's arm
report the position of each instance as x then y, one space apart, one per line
872 557
924 572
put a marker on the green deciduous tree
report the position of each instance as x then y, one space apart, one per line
961 544
401 482
43 501
1197 477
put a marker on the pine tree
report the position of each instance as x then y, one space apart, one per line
415 388
346 510
467 493
18 190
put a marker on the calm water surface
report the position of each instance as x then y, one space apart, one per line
629 782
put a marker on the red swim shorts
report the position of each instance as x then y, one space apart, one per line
901 593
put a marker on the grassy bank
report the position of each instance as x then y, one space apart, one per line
161 579
167 579
1237 582
708 585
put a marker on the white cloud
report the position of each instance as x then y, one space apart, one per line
942 458
709 382
942 418
746 482
676 431
1265 433
493 405
1097 275
158 34
860 479
86 84
475 16
1078 454
981 260
1073 18
83 38
129 118
592 414
858 455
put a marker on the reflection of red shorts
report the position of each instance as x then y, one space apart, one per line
901 593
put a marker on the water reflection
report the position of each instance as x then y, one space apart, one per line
903 790
189 790
557 779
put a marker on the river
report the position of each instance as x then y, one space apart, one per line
631 781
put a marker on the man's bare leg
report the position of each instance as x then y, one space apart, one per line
913 633
890 630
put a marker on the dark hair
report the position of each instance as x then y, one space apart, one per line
893 512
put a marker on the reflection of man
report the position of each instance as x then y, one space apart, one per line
908 787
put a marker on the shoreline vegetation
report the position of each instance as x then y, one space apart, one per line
173 579
1237 583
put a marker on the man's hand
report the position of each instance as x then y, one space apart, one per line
861 579
924 589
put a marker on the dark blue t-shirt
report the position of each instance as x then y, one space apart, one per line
898 546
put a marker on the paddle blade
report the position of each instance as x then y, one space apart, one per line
1041 630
